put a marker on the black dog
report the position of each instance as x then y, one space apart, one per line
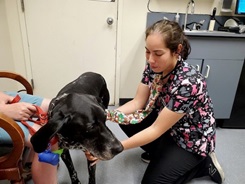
77 116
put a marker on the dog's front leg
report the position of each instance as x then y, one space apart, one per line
91 172
66 157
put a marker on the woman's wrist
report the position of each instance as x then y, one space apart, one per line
2 107
5 109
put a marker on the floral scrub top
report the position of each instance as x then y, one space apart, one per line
186 92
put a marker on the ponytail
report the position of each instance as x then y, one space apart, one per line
186 48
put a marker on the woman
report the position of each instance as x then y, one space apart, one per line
42 173
178 127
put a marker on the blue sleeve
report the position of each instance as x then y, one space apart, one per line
36 100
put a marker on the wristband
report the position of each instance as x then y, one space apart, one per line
139 115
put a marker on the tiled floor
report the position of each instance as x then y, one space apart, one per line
127 168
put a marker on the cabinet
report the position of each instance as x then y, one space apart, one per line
221 64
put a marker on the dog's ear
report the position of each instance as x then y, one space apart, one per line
105 96
99 101
56 103
99 109
42 137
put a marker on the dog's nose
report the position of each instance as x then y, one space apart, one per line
117 149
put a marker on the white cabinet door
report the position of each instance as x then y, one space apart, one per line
69 37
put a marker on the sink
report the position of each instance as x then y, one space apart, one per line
197 31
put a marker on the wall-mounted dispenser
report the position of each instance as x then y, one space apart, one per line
226 7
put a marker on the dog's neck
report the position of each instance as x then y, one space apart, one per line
65 143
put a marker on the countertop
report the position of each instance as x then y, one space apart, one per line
204 33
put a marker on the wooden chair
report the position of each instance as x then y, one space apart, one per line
11 165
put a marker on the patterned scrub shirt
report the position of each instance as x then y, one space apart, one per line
186 92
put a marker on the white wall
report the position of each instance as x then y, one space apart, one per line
6 55
130 48
11 44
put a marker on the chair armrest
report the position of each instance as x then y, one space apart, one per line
17 135
19 78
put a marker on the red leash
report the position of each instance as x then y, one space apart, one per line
40 118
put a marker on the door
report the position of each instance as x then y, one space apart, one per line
69 37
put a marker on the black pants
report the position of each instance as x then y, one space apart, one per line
169 162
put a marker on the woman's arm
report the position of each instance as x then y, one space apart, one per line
139 101
165 120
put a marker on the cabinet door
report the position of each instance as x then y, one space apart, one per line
222 79
196 63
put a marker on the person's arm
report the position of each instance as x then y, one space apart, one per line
139 101
165 120
16 111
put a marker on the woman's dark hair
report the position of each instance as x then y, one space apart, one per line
172 35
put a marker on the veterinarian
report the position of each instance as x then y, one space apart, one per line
42 173
178 132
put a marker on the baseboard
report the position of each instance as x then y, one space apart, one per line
124 100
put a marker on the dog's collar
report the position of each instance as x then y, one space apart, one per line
54 140
58 151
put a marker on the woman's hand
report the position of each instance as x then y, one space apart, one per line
18 111
91 158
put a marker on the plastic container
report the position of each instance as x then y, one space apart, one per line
212 20
211 25
176 18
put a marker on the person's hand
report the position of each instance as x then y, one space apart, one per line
91 158
19 111
5 99
117 116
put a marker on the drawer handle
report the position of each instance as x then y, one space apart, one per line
198 68
208 70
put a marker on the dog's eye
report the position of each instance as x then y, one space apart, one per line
90 127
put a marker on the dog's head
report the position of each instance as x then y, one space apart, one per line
79 120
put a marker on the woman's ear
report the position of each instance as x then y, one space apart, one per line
179 49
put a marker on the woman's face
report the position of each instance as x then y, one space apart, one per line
158 56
